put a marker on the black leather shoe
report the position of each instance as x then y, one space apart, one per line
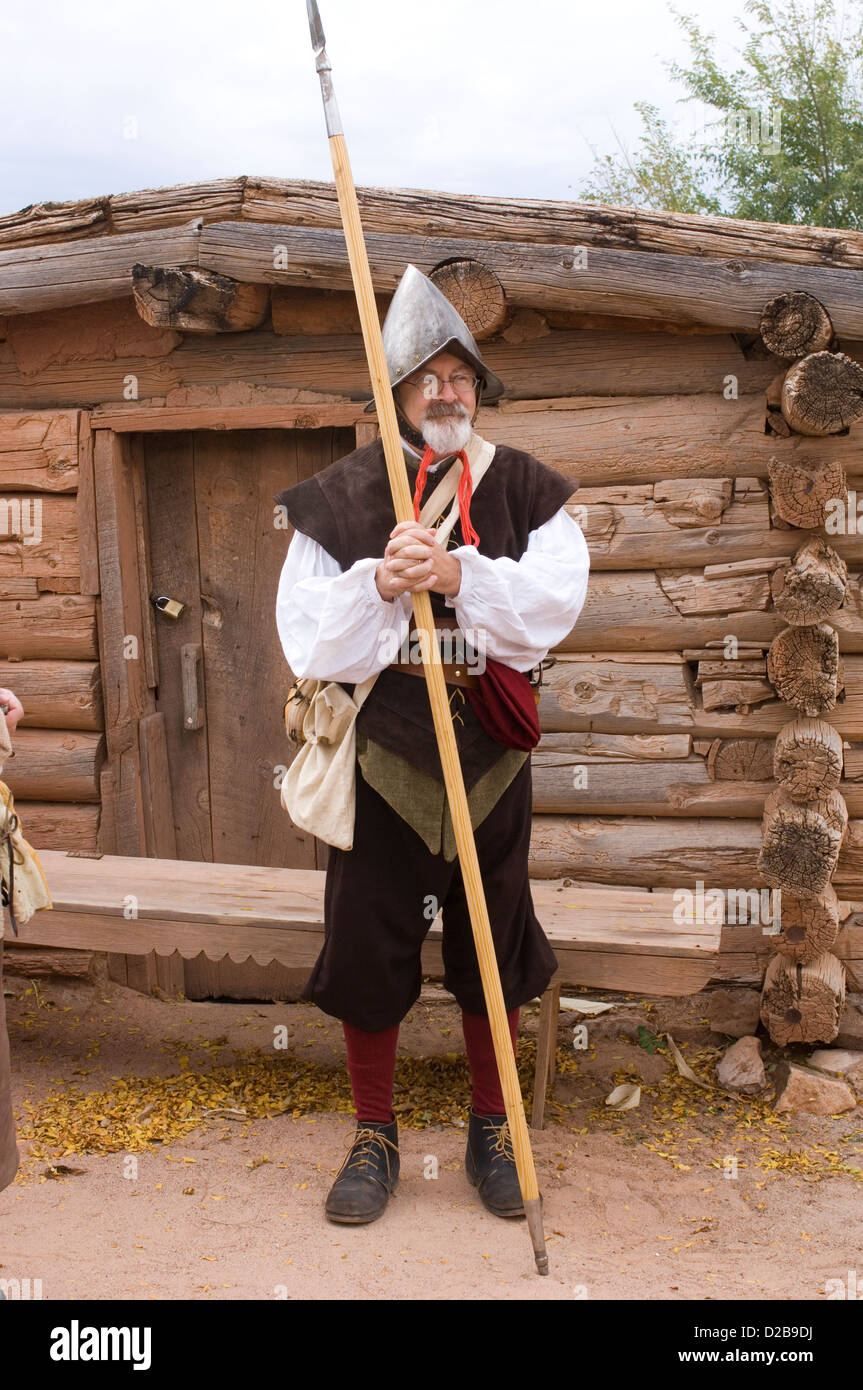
490 1164
367 1176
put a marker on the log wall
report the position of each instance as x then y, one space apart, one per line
656 756
48 638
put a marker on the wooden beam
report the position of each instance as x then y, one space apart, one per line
53 627
197 301
666 611
56 694
67 825
639 439
686 289
39 451
85 501
624 440
141 418
565 363
39 536
56 764
430 212
637 284
664 852
121 636
639 692
77 272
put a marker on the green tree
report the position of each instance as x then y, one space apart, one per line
782 135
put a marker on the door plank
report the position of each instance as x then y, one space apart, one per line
174 571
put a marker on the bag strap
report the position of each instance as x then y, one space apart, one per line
480 454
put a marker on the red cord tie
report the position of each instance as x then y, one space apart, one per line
465 492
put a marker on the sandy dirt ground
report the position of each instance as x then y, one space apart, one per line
637 1205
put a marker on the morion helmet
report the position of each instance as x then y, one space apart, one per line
420 323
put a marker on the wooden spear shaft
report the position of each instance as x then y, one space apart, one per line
422 610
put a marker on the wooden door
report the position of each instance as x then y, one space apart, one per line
222 674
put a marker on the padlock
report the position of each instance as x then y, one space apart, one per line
171 606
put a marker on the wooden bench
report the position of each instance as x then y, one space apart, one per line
606 938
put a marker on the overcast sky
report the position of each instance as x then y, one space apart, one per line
485 96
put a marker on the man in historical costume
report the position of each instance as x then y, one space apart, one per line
515 571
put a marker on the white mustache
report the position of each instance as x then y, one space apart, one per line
441 410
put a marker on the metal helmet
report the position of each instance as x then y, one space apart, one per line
420 323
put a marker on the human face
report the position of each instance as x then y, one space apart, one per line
449 413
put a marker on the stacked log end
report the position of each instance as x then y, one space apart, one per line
813 586
804 668
823 394
794 324
802 490
806 819
803 1003
809 925
476 292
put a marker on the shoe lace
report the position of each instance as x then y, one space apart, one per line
503 1141
361 1149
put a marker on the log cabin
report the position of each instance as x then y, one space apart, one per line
171 358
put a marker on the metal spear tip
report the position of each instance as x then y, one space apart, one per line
315 26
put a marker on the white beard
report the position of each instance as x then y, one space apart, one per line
447 434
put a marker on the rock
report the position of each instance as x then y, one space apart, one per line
735 1012
834 1059
840 1062
850 1033
741 1069
811 1092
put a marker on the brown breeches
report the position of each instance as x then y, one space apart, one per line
382 895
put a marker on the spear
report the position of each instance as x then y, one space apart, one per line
422 610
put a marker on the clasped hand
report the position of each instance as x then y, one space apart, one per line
413 561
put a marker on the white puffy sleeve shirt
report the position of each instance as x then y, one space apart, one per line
334 625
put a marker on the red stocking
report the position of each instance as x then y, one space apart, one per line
487 1097
372 1067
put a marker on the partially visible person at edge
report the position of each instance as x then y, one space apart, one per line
515 569
8 1147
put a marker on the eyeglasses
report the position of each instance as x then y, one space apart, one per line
432 385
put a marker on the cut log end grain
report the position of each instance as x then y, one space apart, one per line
803 667
476 292
813 586
808 758
803 1003
808 926
802 490
740 760
823 393
795 323
197 301
800 842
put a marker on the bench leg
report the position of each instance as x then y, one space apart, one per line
546 1043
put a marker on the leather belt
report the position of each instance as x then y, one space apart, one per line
454 672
